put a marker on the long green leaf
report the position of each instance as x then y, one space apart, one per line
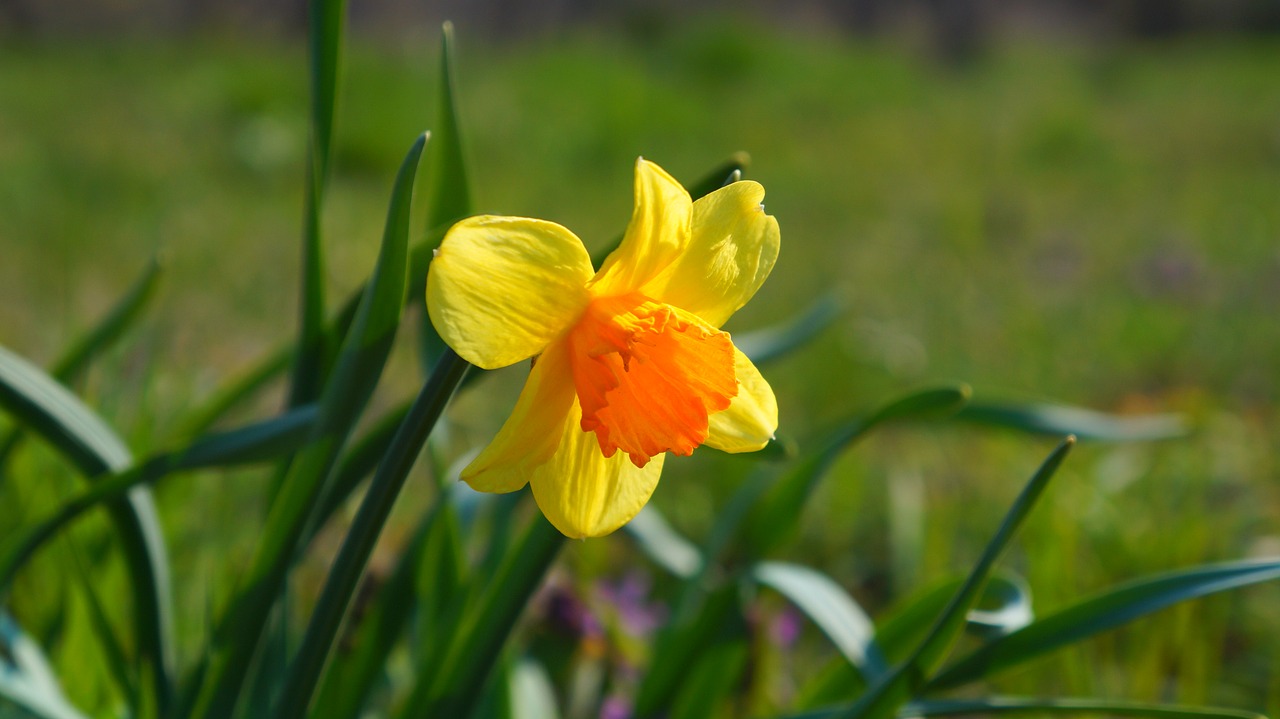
987 706
773 508
348 680
360 461
113 324
770 343
259 442
1023 705
359 366
325 30
683 642
239 390
43 406
344 575
1060 420
118 664
831 608
448 182
886 696
1101 613
474 650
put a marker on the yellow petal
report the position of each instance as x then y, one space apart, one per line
731 250
532 433
500 289
752 417
658 231
585 494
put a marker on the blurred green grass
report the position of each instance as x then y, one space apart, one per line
1090 223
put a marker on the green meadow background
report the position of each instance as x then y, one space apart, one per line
1089 222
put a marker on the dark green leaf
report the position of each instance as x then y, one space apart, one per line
773 508
683 642
1058 420
885 697
770 343
265 440
475 645
43 406
325 30
987 706
360 363
375 509
1101 613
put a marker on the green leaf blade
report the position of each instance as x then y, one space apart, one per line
1103 612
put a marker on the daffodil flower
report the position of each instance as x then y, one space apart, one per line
629 362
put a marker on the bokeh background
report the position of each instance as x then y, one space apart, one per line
1066 201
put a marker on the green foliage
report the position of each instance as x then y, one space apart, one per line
468 613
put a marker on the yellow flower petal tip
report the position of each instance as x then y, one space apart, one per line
630 363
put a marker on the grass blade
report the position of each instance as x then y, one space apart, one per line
348 680
1085 424
683 643
831 608
885 697
117 663
259 442
325 29
770 343
987 706
473 652
773 510
344 575
45 407
448 182
1101 613
360 363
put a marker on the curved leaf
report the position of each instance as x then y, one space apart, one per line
1105 611
344 576
831 608
770 343
885 697
1019 705
773 510
45 407
359 366
26 679
258 442
1085 424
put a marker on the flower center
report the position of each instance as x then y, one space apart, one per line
648 376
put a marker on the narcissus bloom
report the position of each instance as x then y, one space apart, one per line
629 362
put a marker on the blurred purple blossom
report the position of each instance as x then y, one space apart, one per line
784 628
629 598
615 707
